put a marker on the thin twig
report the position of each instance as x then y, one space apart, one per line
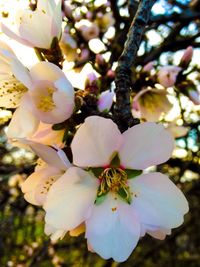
123 115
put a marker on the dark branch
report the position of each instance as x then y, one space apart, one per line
123 114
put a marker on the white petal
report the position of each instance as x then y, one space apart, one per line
159 202
37 184
48 154
53 232
145 145
23 124
70 199
46 71
53 10
113 229
64 158
159 233
14 35
95 142
47 136
35 27
21 73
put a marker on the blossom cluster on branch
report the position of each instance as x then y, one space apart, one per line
91 176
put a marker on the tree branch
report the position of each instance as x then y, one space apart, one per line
123 115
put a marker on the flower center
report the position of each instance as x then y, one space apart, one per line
46 101
114 180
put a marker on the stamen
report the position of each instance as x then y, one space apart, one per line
114 180
46 102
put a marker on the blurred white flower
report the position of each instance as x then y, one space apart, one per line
150 104
88 29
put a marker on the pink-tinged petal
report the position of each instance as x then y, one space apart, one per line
47 154
145 145
29 27
4 47
159 203
56 26
53 10
21 73
70 199
23 124
38 183
54 233
154 231
113 229
95 142
159 233
64 98
105 101
64 158
47 136
14 35
46 71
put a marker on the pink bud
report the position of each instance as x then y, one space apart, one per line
105 100
91 84
100 60
187 56
148 67
99 15
84 54
89 15
91 77
110 74
67 9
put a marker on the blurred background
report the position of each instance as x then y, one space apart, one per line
174 25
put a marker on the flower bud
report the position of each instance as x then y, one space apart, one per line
91 83
148 67
187 57
105 101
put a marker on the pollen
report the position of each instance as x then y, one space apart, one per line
114 209
46 101
114 180
47 184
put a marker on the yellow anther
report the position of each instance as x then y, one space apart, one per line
46 101
114 180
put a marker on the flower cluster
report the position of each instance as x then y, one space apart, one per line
90 178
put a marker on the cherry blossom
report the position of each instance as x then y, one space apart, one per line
44 91
151 104
88 29
37 28
117 203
